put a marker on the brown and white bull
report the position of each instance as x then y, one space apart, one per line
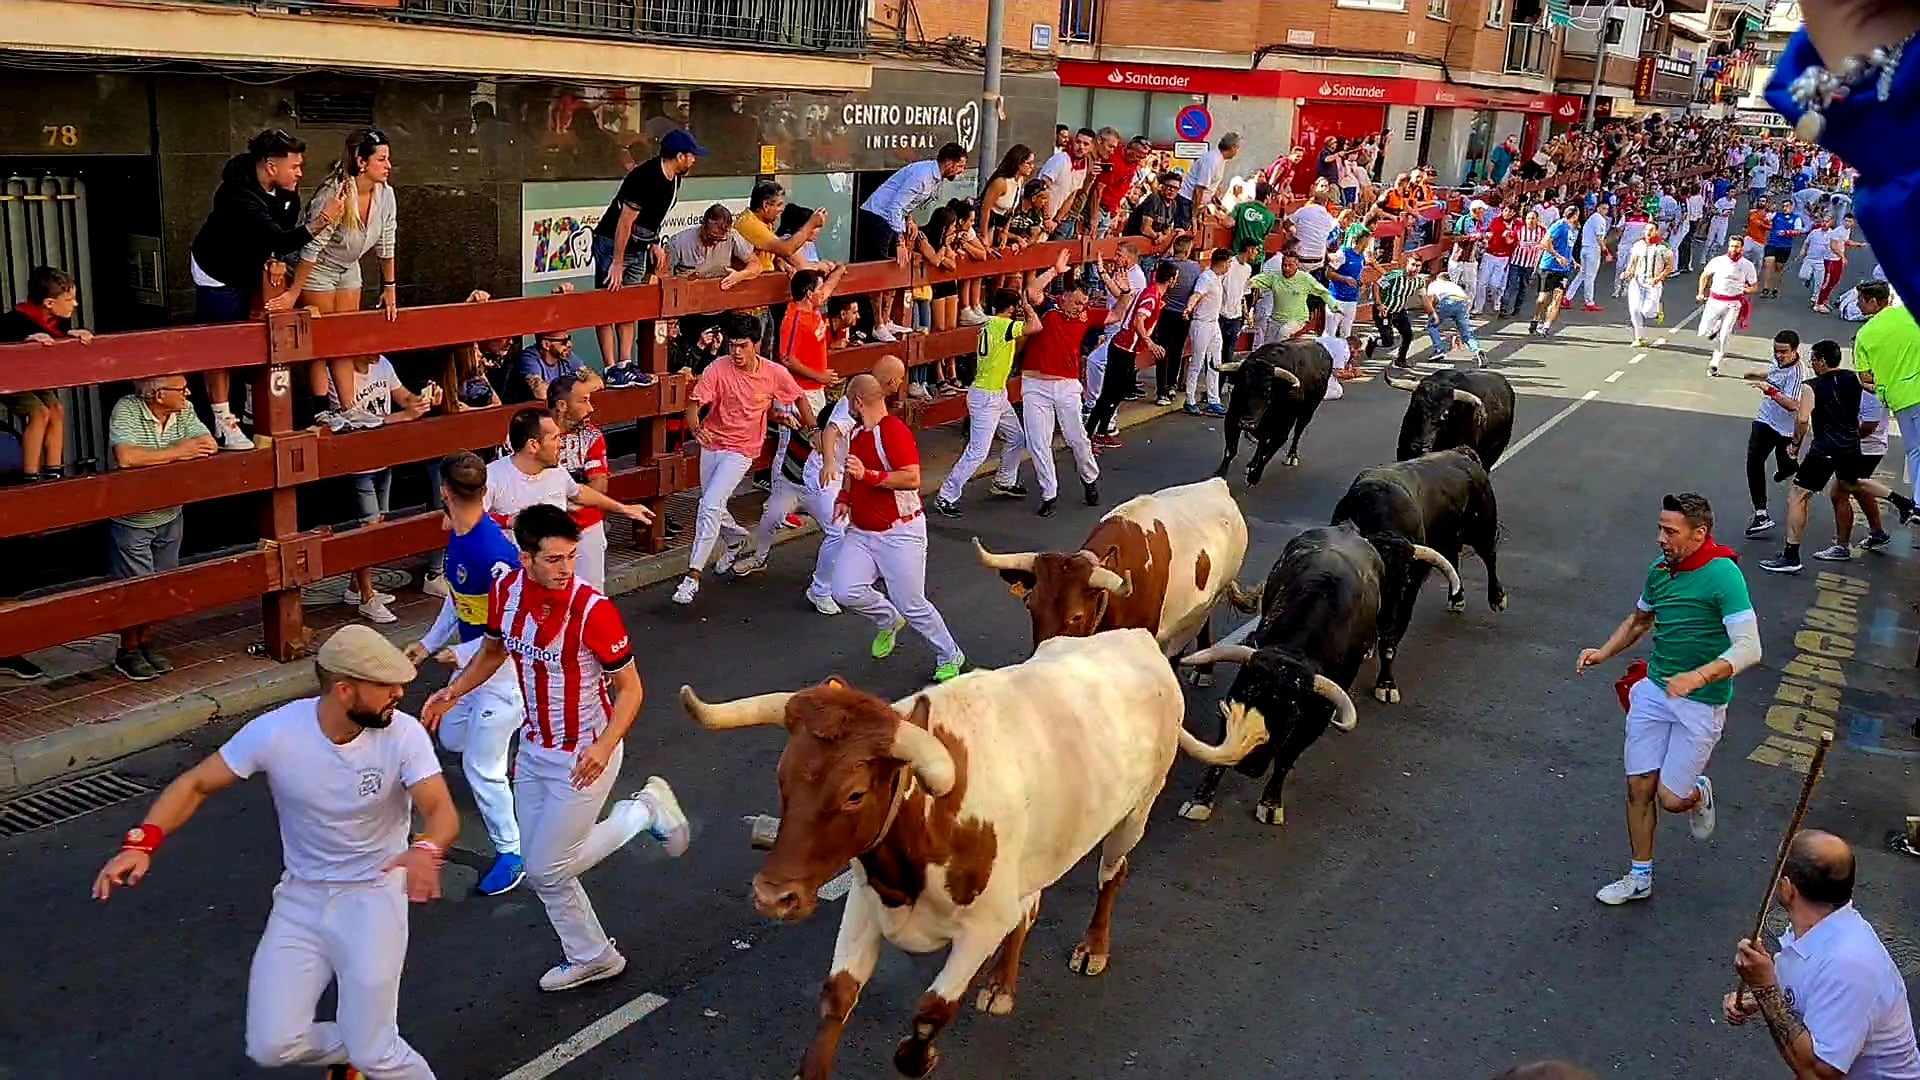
956 807
1158 562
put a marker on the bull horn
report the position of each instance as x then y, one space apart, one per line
1462 397
1231 366
1022 562
1439 562
1409 385
1243 600
1344 714
1286 376
1102 578
1245 732
922 752
758 711
1219 654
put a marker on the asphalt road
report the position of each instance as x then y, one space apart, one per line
1426 911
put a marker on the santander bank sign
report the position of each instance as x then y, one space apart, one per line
1135 79
1352 91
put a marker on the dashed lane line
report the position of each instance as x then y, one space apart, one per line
1637 357
587 1038
1613 378
1552 422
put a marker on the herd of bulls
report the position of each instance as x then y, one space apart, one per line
958 805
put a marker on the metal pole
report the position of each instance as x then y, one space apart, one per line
1599 63
990 92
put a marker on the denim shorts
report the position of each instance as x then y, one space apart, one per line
372 490
326 277
639 253
139 550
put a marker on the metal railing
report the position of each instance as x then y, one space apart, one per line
822 26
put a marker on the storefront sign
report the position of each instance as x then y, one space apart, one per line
1648 89
910 113
1310 86
1167 80
892 126
557 244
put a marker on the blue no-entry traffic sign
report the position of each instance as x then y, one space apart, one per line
1193 122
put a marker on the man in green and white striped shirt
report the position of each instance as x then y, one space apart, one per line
1394 291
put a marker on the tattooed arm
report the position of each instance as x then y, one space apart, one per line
1784 1024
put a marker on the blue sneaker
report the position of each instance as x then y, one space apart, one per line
508 870
1214 408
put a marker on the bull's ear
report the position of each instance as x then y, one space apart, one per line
1019 582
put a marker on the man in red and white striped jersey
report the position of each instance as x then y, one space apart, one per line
568 644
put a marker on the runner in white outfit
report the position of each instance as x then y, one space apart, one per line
989 413
1204 342
1648 266
1724 286
1593 246
346 772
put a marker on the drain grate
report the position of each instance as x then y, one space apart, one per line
64 802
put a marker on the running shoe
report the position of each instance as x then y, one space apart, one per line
1629 888
567 975
1781 564
1163 401
505 875
1875 541
792 521
688 589
750 563
134 666
1639 343
160 664
1593 307
881 333
951 669
375 611
19 667
1761 524
1191 409
971 317
885 640
434 583
822 603
1047 507
351 597
728 555
1091 489
946 507
1701 818
1834 553
669 821
1214 409
1008 491
227 431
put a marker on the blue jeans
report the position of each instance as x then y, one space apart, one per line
1452 313
1230 337
371 492
138 550
1909 421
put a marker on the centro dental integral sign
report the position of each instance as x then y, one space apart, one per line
890 126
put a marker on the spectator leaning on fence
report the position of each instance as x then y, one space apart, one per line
886 218
548 358
154 425
254 228
371 401
328 277
626 242
45 316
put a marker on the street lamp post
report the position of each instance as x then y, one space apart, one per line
990 92
1599 63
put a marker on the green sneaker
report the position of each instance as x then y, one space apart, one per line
950 669
884 641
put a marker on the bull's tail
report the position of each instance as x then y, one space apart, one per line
1244 601
1246 731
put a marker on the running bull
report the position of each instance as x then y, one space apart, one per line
1439 503
956 807
1275 392
1159 562
1456 408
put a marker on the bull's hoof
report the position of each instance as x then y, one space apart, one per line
1292 462
994 999
1270 814
1498 603
1387 693
1194 810
1457 604
1087 962
915 1057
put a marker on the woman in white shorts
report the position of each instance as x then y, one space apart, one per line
328 277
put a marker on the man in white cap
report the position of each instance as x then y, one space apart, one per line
345 771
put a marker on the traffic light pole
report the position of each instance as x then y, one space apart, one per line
1599 63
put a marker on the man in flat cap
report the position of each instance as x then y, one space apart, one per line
345 771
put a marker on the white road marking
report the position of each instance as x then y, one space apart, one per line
1637 357
1615 377
587 1038
1527 439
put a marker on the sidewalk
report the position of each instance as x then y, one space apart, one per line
84 713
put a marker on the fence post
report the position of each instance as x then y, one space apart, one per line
653 433
281 613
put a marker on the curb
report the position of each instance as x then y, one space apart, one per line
33 762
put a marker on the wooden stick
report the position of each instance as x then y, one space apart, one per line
1793 829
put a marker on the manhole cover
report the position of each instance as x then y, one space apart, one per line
333 590
64 802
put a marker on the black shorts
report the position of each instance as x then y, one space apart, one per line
877 240
1780 254
1552 281
1819 467
944 289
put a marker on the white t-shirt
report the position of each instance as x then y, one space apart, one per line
1850 994
1787 381
510 491
1204 174
1723 207
1136 284
1762 175
1208 288
343 809
372 389
1441 290
1313 225
1063 180
1726 277
1696 206
840 418
1233 296
1646 259
1548 212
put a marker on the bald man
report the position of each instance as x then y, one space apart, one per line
819 468
1833 999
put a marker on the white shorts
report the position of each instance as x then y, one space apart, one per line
1671 736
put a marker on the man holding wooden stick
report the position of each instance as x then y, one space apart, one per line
1695 604
1833 998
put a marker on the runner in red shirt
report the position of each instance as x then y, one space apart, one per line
568 643
1503 236
1050 391
1135 336
886 534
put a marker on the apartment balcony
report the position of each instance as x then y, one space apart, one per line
1529 48
809 26
1617 71
1664 80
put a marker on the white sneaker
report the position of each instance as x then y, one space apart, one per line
1631 887
566 974
825 605
227 431
750 563
881 333
375 611
669 821
972 317
352 596
728 556
689 588
1700 819
900 330
436 585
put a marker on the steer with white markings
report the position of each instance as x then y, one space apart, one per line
1452 408
956 807
1159 562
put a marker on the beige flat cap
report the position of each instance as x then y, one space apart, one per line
361 652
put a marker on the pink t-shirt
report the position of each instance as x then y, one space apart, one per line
737 418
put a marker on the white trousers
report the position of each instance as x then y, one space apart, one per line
1680 234
1203 359
1493 281
720 473
1643 303
1341 314
1097 363
1045 402
565 838
1584 279
320 933
897 558
591 564
988 412
1718 320
1464 274
1716 237
786 498
480 729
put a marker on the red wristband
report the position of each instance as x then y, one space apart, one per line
143 837
877 477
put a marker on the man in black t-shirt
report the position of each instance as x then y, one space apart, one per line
626 242
1829 425
1153 218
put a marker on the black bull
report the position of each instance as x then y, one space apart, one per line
1443 501
1452 408
1274 393
1319 617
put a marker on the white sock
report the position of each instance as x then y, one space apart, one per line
222 411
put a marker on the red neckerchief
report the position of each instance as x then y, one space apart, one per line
41 317
1704 554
